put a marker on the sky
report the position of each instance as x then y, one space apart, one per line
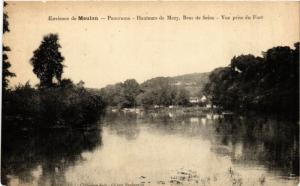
105 52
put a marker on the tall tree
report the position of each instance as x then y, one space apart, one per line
5 63
47 61
131 89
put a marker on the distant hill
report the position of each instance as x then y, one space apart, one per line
198 78
194 82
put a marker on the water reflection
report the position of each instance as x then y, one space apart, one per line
125 125
257 142
265 141
41 157
156 148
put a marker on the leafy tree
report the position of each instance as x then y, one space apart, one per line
80 84
5 21
147 99
155 92
121 94
269 84
221 87
47 61
66 83
131 89
5 63
159 91
182 97
111 94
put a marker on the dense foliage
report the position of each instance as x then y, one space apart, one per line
157 91
121 94
5 63
267 84
161 91
47 61
58 104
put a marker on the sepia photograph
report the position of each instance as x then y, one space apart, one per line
150 93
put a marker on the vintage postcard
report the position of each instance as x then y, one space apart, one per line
100 93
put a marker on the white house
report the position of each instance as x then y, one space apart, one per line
203 99
194 100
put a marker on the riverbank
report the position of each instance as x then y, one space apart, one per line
27 107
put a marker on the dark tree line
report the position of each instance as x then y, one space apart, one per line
161 91
53 103
56 101
267 84
157 91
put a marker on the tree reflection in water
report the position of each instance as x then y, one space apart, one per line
268 141
48 151
125 125
248 140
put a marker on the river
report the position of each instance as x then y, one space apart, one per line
156 149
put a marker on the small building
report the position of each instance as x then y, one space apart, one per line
203 99
208 105
194 100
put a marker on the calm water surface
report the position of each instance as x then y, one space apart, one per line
156 149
